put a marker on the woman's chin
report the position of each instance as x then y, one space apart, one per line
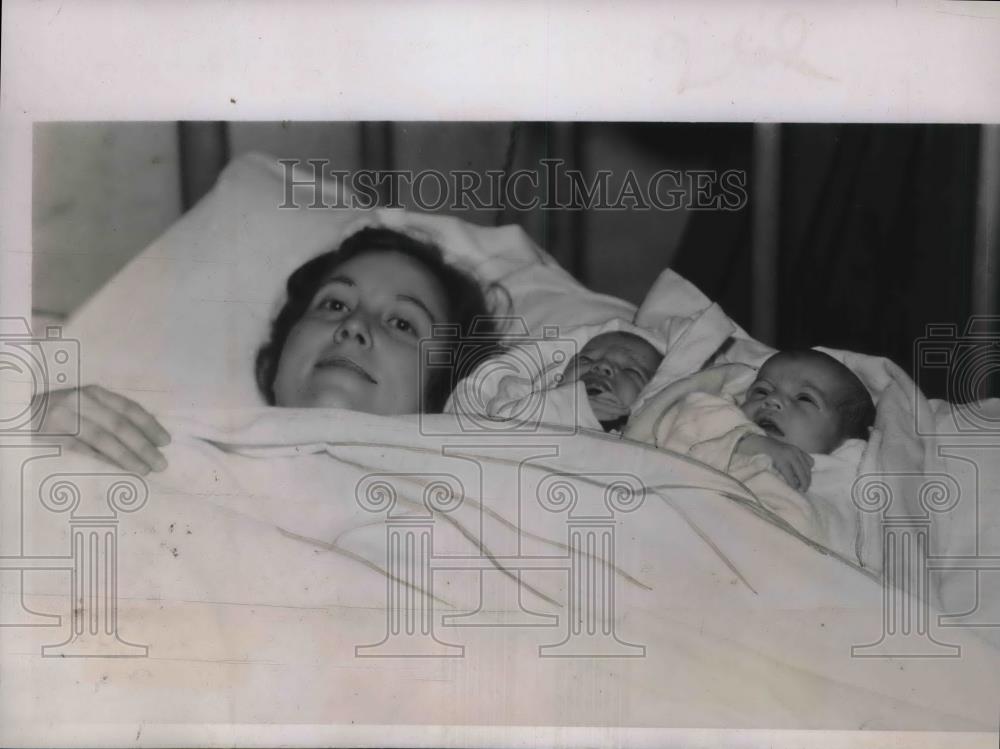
350 394
328 397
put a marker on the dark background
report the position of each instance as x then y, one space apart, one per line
875 229
875 235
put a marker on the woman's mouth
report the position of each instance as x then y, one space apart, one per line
341 362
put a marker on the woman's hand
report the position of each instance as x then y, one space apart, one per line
111 428
794 465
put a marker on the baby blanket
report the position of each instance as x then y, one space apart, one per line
698 416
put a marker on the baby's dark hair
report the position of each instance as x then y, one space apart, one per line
855 405
466 301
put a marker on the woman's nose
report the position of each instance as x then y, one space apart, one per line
354 327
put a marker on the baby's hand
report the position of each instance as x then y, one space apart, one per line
112 428
794 465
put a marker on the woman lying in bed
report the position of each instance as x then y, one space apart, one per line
348 336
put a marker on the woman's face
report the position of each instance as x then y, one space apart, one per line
357 345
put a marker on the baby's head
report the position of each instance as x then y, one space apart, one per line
614 368
810 400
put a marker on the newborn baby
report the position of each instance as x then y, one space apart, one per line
800 402
593 388
614 368
797 425
804 402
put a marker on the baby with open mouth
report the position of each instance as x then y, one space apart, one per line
800 404
614 368
805 402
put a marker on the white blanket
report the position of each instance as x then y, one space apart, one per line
252 574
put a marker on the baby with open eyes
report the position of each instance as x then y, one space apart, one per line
802 403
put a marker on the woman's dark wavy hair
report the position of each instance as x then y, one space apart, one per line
467 309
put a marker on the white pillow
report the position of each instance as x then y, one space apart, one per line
690 325
179 326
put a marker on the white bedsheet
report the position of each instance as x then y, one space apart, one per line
252 574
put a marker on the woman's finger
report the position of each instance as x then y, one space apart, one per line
98 438
138 444
77 446
138 415
127 433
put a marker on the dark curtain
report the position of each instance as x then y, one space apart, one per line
714 253
876 237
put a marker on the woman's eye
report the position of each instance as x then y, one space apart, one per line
402 325
331 304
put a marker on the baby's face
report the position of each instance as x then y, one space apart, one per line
795 401
614 368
